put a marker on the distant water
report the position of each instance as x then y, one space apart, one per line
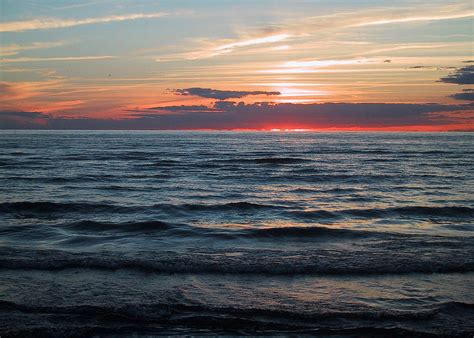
337 234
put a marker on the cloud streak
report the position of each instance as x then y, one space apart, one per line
174 109
379 17
23 114
67 58
308 26
229 47
221 94
415 19
51 23
225 47
14 49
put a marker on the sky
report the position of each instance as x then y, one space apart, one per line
259 65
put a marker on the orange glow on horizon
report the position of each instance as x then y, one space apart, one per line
290 129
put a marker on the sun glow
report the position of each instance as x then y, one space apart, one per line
297 100
323 63
287 84
289 129
292 92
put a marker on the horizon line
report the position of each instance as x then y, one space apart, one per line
273 130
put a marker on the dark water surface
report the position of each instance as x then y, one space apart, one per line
145 233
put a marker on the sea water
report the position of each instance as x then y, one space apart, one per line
178 232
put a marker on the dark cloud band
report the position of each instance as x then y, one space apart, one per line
464 75
220 94
232 115
467 95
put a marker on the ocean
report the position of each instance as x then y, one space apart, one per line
236 233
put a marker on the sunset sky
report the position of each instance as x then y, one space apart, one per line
330 65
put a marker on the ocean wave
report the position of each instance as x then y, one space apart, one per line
228 206
251 261
119 155
153 311
157 163
397 153
311 232
163 319
64 179
406 211
310 176
177 317
186 230
25 207
58 207
442 211
7 163
337 190
265 160
91 226
164 229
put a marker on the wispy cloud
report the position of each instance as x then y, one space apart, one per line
67 58
415 19
16 91
212 49
411 46
50 23
251 42
308 27
378 17
14 49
